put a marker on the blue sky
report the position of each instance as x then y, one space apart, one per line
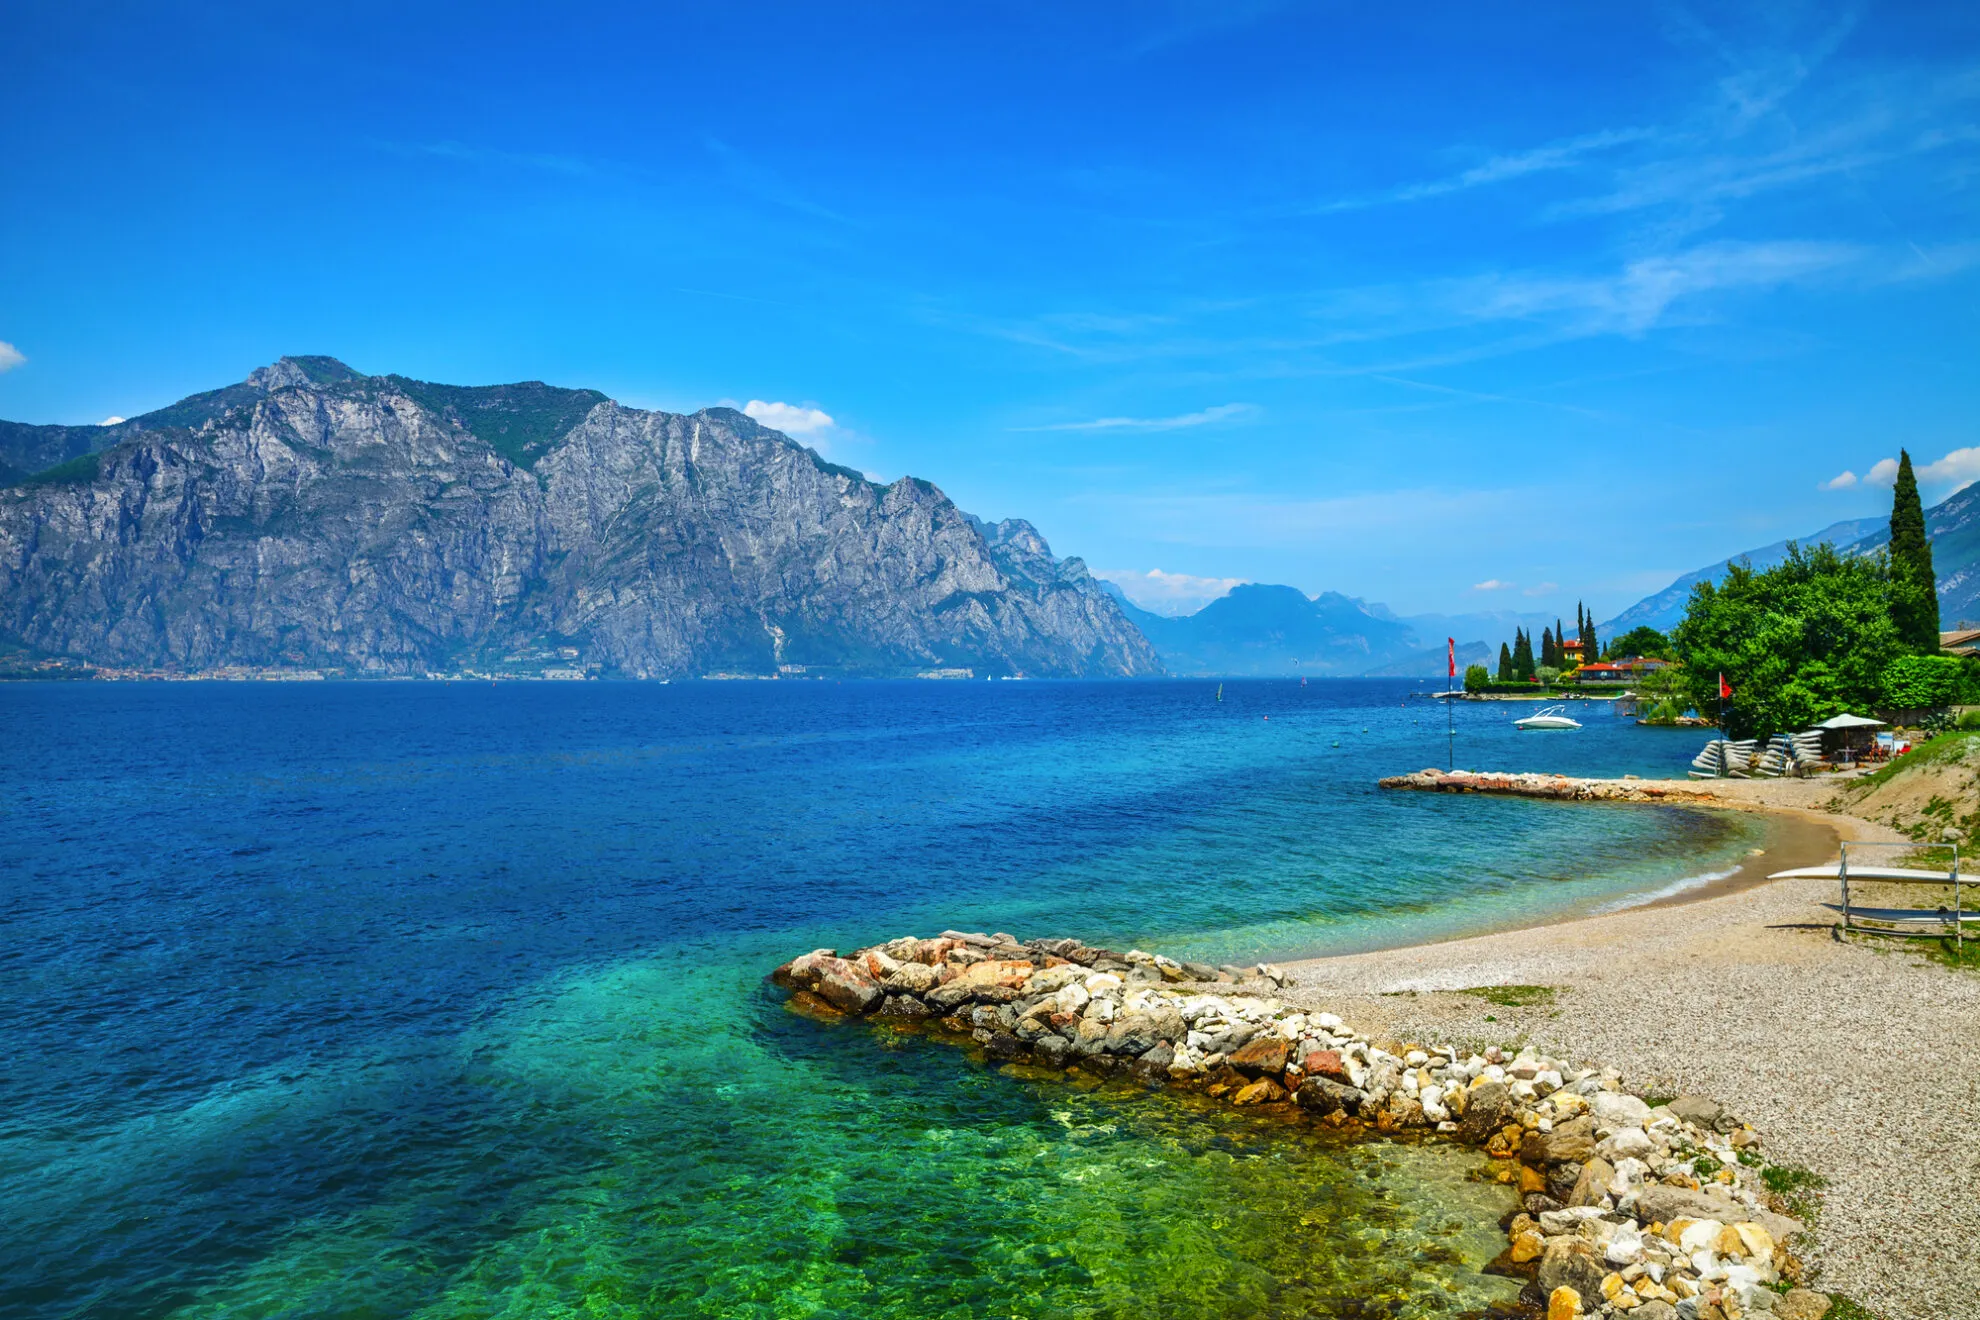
1453 307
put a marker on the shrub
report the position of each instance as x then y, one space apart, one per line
1476 677
1917 682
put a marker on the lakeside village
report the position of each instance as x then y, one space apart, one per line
1796 664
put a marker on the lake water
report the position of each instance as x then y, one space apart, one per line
446 1001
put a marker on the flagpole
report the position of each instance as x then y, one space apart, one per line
1450 715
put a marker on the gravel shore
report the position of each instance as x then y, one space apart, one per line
1853 1059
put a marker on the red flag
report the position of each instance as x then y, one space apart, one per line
1452 643
1725 688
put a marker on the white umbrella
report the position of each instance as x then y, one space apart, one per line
1850 722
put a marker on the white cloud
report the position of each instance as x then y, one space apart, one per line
1961 465
1169 594
1882 473
1543 589
10 357
110 421
1493 584
1223 412
1841 481
790 418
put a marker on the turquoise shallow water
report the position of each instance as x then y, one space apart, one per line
397 1000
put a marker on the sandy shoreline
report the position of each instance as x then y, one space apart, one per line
1839 1053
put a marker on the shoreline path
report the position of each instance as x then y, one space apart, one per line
1855 1060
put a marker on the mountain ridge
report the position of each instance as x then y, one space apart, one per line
312 515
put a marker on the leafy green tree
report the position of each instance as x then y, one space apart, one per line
1809 638
1505 664
1547 674
1641 640
1476 677
1914 585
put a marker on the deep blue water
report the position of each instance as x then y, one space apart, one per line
407 999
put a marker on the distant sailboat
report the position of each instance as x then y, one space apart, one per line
1220 692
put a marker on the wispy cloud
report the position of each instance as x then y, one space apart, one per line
1223 412
110 421
766 185
1566 154
1637 297
1493 584
10 357
1168 594
1882 473
1843 480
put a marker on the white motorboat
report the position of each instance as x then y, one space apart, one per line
1551 717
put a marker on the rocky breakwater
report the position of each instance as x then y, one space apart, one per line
1623 1207
1561 787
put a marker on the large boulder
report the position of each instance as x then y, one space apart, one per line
905 1007
913 978
1699 1111
1614 1109
849 987
1263 1056
1321 1095
1489 1107
1572 1142
1573 1262
1593 1183
802 972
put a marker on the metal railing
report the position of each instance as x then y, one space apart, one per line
1951 877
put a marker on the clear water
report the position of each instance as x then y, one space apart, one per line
409 1000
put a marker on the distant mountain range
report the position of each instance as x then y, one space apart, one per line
1953 526
315 517
1262 630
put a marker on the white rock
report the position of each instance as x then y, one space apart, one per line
1101 982
1618 1109
1328 1022
1629 1141
1416 1058
1625 1248
1699 1234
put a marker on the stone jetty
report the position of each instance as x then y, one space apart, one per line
1625 1206
1564 788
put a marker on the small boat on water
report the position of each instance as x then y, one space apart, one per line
1552 717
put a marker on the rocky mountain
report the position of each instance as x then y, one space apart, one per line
1663 609
313 516
1953 526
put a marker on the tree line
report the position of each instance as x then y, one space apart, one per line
1517 663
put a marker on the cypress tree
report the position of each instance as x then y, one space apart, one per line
1505 664
1590 646
1548 657
1522 656
1914 584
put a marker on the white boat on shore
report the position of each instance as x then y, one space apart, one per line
1551 717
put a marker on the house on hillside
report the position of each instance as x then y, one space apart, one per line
1571 653
1619 671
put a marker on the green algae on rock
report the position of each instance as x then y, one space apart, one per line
1624 1208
